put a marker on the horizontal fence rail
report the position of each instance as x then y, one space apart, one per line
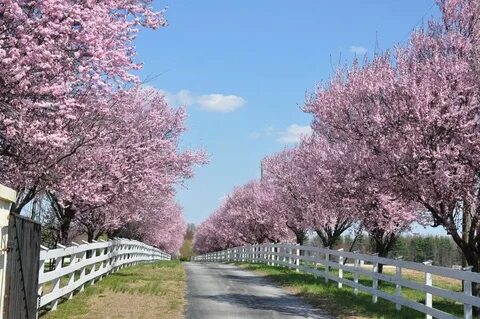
65 270
308 259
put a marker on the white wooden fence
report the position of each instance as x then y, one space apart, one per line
65 270
308 259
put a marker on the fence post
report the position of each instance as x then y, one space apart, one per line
428 282
102 252
269 254
340 270
281 253
375 280
82 270
289 258
467 290
7 198
398 287
297 259
278 251
274 250
56 282
273 255
356 265
327 267
71 279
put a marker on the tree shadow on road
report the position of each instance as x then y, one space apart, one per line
282 304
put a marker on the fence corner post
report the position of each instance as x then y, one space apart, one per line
340 270
467 290
428 282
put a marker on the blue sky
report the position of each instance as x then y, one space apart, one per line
243 69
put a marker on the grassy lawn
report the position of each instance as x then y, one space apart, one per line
343 303
145 291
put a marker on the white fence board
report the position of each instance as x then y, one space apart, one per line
106 257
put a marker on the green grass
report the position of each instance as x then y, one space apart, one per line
343 303
160 283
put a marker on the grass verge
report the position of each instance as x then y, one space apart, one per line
343 303
145 291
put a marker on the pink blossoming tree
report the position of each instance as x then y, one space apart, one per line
414 116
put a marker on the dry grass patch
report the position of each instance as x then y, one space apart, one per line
146 291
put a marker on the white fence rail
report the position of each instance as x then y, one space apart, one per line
68 269
308 259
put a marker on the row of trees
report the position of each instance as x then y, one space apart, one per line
396 140
87 147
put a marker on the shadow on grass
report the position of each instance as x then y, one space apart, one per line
342 302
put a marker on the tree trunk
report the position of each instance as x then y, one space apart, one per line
90 238
380 265
300 237
90 235
327 240
67 217
382 244
352 245
466 225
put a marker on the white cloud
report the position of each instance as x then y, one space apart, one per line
220 103
294 133
269 130
359 50
185 97
265 132
208 102
181 98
